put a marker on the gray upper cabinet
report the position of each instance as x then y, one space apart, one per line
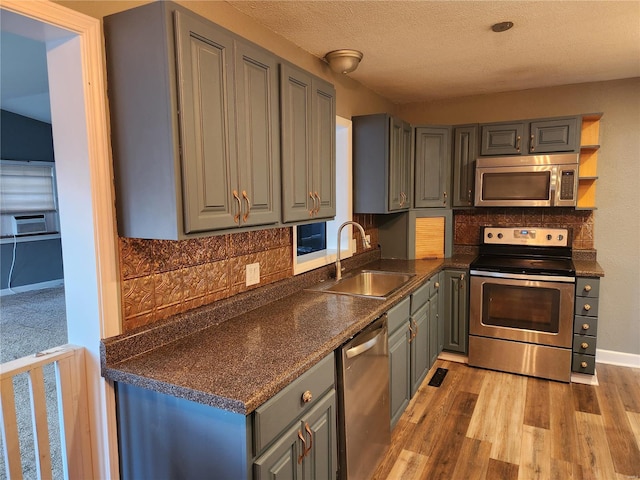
195 135
308 146
530 137
381 164
465 152
432 166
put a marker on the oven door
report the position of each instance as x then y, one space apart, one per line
524 308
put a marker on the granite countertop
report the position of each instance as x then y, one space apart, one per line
240 363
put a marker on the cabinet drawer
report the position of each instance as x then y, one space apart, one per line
398 315
587 306
420 296
585 325
587 287
584 344
277 413
583 363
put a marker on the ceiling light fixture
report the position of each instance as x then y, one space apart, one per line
501 27
343 61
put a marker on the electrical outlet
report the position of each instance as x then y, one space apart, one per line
253 274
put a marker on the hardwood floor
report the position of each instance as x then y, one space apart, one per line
481 424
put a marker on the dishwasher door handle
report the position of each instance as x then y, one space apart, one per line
367 344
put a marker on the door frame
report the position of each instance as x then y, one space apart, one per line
85 52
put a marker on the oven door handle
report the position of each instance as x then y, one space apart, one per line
524 276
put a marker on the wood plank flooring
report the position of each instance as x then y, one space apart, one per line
485 425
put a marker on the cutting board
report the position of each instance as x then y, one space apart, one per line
430 237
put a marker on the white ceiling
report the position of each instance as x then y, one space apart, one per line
425 50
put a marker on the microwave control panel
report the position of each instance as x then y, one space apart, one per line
567 184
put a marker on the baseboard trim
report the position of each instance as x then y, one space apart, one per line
621 359
453 357
30 287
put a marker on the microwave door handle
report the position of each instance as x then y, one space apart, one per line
552 187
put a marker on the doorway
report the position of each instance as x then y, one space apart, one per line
79 119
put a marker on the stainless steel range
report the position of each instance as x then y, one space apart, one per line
522 301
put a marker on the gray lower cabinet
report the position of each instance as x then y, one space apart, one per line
465 152
413 343
455 300
195 124
291 436
432 166
308 146
585 326
530 137
381 164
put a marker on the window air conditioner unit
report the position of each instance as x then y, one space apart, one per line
28 224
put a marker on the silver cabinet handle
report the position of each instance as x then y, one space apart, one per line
236 217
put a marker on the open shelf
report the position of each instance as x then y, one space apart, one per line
588 166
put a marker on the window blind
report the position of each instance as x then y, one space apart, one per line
27 187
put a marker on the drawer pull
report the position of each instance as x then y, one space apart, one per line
437 284
587 307
585 326
308 430
587 288
304 446
584 364
307 396
584 345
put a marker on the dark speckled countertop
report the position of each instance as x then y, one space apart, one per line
240 363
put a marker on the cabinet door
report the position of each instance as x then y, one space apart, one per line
207 125
455 310
432 166
465 151
554 136
324 148
296 100
321 459
433 329
419 348
399 361
258 140
399 166
503 139
280 461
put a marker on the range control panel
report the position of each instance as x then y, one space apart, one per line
535 236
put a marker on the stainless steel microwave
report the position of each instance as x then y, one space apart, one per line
527 181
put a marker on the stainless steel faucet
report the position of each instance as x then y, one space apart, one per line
365 244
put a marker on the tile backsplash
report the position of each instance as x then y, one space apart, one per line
467 223
161 278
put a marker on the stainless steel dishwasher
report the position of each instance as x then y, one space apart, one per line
364 416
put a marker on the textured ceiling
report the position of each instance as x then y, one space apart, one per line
424 50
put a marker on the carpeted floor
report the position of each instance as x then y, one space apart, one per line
31 322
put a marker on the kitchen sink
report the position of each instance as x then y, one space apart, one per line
366 283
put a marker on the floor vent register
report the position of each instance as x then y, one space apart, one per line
438 377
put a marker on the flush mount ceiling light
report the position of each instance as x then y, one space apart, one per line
501 27
343 61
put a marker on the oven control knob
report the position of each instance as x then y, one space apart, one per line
489 235
549 237
500 235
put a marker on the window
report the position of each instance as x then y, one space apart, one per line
27 186
326 232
